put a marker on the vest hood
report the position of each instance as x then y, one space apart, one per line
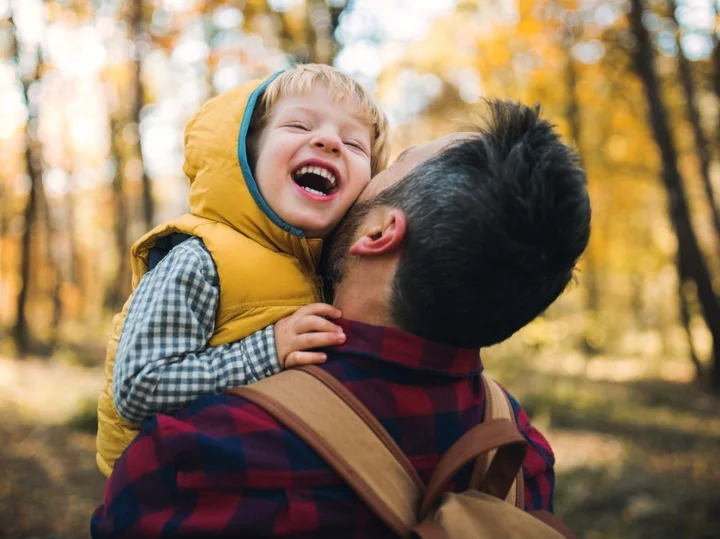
222 187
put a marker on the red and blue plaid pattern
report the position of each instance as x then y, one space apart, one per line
224 468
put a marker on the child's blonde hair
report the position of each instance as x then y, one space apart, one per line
301 79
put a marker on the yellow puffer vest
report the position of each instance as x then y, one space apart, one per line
266 268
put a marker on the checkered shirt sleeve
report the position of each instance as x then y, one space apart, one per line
163 360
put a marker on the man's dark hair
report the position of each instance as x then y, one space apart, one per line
495 225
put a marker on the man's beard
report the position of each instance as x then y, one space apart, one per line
341 240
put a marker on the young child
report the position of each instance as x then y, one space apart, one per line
229 294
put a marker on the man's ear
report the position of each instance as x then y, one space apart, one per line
383 237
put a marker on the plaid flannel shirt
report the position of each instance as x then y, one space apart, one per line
222 467
163 361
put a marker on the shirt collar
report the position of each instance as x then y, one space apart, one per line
399 347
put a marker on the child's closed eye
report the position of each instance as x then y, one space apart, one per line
298 125
355 144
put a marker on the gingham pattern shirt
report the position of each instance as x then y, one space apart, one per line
163 360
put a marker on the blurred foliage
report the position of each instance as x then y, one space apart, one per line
95 142
117 80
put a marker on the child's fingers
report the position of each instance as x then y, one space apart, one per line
311 323
321 309
304 358
308 341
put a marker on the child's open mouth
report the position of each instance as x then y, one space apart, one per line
316 180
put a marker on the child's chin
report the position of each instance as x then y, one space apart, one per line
315 230
312 224
312 233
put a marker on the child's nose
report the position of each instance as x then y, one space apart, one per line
328 142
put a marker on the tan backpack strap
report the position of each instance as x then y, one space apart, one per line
332 421
370 420
498 435
497 406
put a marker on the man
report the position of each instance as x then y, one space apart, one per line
456 246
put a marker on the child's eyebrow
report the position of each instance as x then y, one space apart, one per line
302 108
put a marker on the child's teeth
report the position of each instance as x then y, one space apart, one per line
319 171
314 191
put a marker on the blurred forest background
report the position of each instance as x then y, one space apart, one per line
622 373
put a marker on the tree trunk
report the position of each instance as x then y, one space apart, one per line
317 44
21 331
573 105
715 57
335 12
677 200
322 21
138 100
314 32
683 279
73 263
572 113
211 63
4 221
50 254
693 112
120 286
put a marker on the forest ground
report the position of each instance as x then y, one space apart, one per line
637 449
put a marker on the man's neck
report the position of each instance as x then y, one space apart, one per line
362 305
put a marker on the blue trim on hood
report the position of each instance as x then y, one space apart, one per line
245 166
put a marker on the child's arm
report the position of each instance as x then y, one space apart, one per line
163 361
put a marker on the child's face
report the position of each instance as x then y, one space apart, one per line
313 161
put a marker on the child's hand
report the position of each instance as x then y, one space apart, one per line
307 328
